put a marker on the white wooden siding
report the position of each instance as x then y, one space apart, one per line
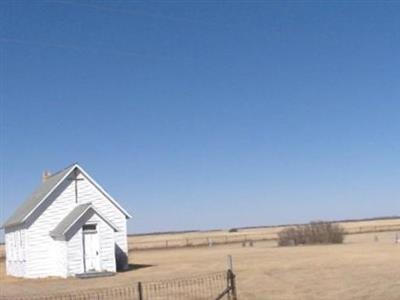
75 254
15 244
42 259
60 258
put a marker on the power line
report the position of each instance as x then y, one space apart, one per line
75 47
133 12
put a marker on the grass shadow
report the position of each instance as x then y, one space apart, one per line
133 267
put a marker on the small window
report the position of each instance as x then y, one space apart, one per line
89 227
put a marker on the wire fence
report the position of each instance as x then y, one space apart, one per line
236 238
372 229
213 286
199 241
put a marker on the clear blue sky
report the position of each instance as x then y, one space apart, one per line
198 115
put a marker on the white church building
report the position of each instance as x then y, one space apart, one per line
69 226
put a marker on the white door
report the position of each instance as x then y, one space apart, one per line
91 251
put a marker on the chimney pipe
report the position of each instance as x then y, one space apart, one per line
46 174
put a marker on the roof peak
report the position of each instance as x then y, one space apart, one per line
73 165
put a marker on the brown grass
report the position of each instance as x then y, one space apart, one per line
358 269
222 236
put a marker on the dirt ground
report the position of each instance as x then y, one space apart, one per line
362 268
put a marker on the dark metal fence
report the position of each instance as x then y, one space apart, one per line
214 286
200 241
372 229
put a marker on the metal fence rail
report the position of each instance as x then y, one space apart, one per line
200 241
214 286
199 288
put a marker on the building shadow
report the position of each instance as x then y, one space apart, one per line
121 258
134 267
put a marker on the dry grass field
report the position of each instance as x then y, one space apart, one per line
222 236
359 269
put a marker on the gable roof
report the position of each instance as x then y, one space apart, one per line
41 192
74 216
45 189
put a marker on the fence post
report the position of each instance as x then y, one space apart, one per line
232 285
230 262
140 290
